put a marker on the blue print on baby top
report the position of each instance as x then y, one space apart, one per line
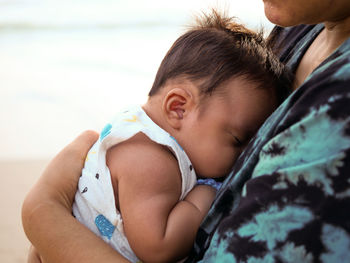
105 131
176 142
105 227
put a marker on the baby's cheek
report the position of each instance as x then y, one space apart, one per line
214 161
221 166
229 160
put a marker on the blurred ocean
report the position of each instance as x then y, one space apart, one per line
69 65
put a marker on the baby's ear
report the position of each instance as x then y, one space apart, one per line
177 105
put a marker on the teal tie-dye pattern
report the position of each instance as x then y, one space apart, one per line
337 243
343 72
266 259
274 224
308 136
291 253
220 249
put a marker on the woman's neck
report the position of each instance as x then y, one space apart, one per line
334 34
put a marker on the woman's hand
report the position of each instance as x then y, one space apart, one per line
60 179
47 211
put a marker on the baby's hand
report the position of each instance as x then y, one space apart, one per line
201 196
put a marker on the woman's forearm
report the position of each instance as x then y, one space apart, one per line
59 237
46 212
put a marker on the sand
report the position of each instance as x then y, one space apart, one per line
16 179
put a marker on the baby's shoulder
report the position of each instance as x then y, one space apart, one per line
140 158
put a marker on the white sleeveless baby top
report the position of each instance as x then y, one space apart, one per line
94 204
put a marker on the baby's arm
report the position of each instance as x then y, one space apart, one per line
201 196
159 227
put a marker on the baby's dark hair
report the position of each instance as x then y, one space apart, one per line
216 49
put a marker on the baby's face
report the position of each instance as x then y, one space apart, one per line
222 126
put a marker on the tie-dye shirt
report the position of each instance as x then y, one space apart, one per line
288 197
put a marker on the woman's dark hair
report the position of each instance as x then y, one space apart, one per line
216 49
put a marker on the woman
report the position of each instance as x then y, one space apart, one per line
286 199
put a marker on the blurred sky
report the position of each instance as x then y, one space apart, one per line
70 65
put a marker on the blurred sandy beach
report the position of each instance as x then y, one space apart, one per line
16 179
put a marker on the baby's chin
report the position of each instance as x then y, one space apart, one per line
214 174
